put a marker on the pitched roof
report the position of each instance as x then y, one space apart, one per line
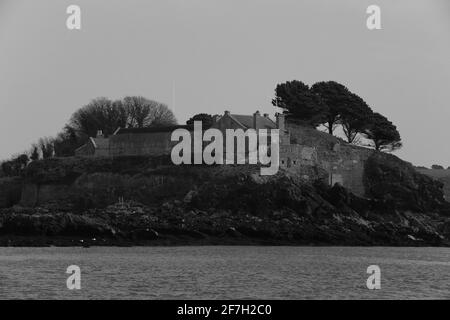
153 129
247 121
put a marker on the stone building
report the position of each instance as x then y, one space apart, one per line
303 151
143 141
238 121
97 147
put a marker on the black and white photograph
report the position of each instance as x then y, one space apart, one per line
224 155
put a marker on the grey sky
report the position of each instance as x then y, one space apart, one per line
224 54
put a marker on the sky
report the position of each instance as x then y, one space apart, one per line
215 55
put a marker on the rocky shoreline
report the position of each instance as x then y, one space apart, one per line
80 204
330 221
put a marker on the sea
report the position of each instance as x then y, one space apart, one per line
225 272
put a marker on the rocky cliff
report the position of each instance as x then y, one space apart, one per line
127 201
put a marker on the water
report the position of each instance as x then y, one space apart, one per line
225 273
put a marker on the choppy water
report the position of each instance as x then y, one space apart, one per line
225 273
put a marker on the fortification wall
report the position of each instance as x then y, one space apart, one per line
344 163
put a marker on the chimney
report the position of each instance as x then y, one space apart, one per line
227 113
280 121
255 119
99 134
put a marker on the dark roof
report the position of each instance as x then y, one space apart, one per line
247 121
153 129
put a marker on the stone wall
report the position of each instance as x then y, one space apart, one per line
136 144
38 194
10 191
344 163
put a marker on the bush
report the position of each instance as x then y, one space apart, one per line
67 170
388 178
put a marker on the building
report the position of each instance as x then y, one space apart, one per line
97 147
303 151
143 141
156 141
238 121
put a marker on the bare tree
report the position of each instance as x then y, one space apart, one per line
143 112
100 114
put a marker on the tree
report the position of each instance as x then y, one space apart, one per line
47 147
206 119
34 153
355 117
142 112
67 141
437 167
99 114
383 133
107 115
15 166
22 160
7 168
299 102
336 97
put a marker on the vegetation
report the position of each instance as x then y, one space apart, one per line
383 133
100 114
336 98
332 104
206 119
105 115
14 166
300 103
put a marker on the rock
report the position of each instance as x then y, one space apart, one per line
232 232
146 234
396 182
188 198
10 191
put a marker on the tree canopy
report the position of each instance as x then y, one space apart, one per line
336 97
141 112
332 104
103 114
383 133
299 103
355 118
106 115
206 119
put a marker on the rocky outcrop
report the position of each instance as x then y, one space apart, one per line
10 191
389 179
80 201
233 207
